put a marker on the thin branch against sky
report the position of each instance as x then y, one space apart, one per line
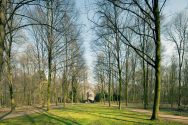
86 7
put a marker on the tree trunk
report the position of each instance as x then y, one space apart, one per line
12 102
112 79
49 35
49 80
144 71
144 83
147 86
127 80
72 87
64 100
133 78
103 89
11 88
179 81
157 61
2 33
120 85
55 87
64 91
10 80
109 78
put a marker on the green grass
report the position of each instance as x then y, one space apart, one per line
86 114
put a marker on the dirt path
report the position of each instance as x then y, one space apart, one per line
180 119
6 114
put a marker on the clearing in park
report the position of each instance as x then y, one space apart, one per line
86 114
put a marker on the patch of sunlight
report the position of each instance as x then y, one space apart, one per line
67 114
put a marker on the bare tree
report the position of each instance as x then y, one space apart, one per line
140 9
177 33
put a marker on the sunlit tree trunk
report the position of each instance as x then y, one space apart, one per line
2 33
10 80
9 72
8 50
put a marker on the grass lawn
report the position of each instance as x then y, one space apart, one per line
85 114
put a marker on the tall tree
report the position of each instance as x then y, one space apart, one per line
140 9
50 38
177 32
2 32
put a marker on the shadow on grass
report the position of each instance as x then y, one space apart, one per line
30 119
60 119
107 117
124 115
6 114
129 114
57 118
99 114
41 117
114 108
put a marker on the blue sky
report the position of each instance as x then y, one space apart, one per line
85 7
172 7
